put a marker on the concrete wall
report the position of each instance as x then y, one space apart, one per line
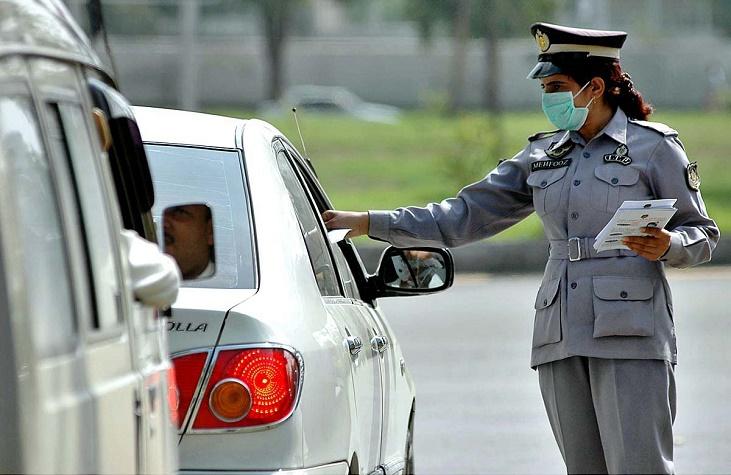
401 71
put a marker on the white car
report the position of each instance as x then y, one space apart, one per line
283 358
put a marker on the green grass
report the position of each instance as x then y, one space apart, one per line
428 157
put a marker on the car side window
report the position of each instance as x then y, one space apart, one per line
347 277
49 298
317 248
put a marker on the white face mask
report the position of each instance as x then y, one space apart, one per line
561 112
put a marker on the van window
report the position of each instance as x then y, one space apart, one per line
183 175
47 276
70 137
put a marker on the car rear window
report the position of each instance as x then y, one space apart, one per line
199 175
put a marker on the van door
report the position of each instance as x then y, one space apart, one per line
42 269
133 186
109 375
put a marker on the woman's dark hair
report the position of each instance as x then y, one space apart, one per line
619 89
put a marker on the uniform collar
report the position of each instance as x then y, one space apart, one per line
616 128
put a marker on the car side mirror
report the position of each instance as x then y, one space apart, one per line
187 236
413 271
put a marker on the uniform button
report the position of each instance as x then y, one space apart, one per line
573 285
615 181
544 183
574 215
586 154
577 182
623 294
545 302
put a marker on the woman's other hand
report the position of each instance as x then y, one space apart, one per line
356 221
651 247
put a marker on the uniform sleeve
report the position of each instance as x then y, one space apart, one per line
479 210
694 234
155 276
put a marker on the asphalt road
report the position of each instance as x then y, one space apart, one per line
478 404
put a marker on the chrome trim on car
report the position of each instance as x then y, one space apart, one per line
232 380
379 343
247 346
355 344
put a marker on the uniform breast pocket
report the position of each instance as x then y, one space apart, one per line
613 184
623 306
547 325
547 186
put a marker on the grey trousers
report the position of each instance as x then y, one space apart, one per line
611 415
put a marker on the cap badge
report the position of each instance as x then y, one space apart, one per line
692 176
559 151
619 156
542 40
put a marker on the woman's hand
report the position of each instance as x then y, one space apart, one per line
651 247
357 222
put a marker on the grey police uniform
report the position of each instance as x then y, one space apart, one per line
604 339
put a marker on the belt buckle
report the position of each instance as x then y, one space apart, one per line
575 249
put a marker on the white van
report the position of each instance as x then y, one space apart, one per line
84 372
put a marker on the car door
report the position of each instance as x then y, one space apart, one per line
112 384
357 329
396 396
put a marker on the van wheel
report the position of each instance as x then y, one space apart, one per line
410 447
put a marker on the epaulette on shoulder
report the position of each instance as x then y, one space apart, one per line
542 135
656 126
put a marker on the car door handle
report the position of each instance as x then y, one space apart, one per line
355 344
379 343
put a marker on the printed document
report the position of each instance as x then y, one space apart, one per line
630 218
337 235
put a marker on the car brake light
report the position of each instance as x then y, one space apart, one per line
188 370
249 387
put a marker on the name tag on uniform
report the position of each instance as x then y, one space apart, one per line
549 164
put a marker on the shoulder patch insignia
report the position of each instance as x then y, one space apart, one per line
560 151
619 156
542 135
692 176
549 164
656 126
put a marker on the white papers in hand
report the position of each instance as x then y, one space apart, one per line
337 235
630 218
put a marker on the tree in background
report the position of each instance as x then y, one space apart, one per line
275 18
489 20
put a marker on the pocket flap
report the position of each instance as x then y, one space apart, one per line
547 293
617 175
623 288
545 178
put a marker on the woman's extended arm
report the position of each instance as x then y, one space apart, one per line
478 211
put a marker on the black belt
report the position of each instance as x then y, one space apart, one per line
578 249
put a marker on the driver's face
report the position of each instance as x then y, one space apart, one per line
188 233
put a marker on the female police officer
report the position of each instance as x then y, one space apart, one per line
604 339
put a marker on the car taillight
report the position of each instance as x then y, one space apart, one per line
249 387
188 370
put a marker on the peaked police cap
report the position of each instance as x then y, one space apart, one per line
558 44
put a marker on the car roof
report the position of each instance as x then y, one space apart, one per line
188 128
44 28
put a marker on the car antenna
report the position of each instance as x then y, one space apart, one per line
304 149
